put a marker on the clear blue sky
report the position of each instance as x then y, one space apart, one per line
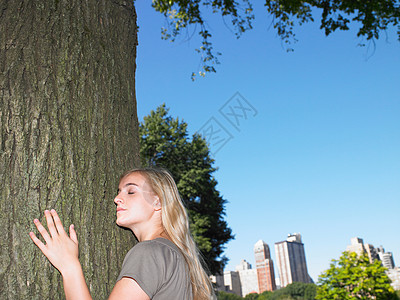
322 154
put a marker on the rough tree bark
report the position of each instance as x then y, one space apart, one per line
68 130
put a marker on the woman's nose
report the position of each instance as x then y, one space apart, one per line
117 200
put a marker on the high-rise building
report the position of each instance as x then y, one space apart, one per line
386 258
218 281
291 260
232 282
357 246
248 278
394 275
265 267
371 252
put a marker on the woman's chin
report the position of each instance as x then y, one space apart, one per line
121 223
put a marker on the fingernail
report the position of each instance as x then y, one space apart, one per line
53 210
36 220
46 211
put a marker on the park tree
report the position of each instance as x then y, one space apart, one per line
255 296
68 116
227 296
353 276
68 129
165 142
293 291
297 291
371 18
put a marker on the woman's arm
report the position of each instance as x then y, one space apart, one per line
128 289
62 251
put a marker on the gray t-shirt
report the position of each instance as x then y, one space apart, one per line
160 270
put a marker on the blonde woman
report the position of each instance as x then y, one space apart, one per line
163 265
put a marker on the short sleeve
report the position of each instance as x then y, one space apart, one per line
146 264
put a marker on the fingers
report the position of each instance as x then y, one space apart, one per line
42 230
72 233
57 221
37 242
50 224
54 226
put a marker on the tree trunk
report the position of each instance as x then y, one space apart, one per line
68 130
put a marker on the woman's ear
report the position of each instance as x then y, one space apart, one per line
157 203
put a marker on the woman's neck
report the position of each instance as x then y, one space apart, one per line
151 235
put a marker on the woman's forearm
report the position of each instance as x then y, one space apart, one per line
75 287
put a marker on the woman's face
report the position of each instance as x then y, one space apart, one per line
134 201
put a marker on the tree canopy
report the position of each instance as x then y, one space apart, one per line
227 296
371 17
293 291
355 277
164 142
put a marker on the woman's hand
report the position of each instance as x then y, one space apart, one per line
60 249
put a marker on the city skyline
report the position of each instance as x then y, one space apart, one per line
356 245
319 151
291 265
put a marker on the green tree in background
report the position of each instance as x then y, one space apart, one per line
164 142
227 296
371 17
354 277
300 290
253 296
293 291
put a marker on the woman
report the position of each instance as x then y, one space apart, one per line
163 265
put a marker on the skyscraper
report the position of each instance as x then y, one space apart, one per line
232 282
357 245
291 260
386 258
248 278
265 267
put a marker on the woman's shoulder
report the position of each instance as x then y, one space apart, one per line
159 268
162 243
158 254
156 246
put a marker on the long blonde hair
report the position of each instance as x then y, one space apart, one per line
176 224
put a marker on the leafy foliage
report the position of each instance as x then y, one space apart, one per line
372 16
300 290
164 142
227 296
253 296
354 277
293 291
182 13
